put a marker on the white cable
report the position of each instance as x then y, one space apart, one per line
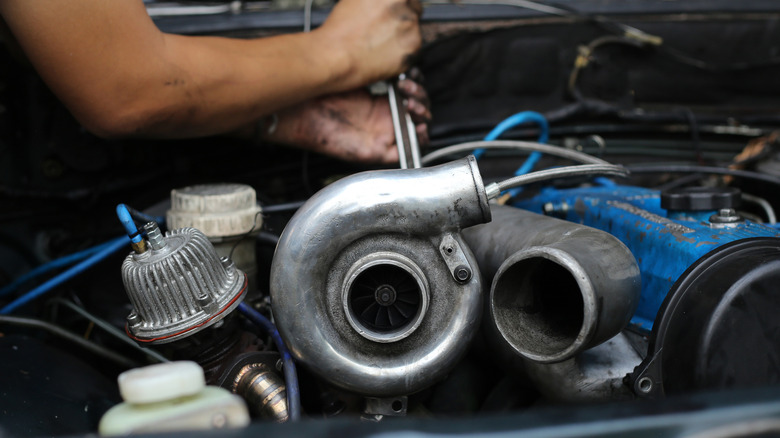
526 146
307 15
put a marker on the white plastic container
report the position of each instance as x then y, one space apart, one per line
171 397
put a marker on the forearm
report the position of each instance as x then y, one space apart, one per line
120 76
207 85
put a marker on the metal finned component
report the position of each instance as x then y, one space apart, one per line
385 297
263 390
179 288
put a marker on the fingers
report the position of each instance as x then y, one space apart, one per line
417 104
413 90
423 139
416 6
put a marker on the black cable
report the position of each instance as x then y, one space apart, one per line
620 29
678 168
108 328
695 139
64 334
247 234
679 182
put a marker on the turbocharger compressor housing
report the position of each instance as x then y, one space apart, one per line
372 286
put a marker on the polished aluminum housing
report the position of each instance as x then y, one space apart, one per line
558 288
382 245
179 286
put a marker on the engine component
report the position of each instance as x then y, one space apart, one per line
717 327
171 396
558 288
225 213
264 391
709 282
253 376
373 288
179 287
595 375
664 242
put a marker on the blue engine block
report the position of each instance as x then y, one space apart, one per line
664 243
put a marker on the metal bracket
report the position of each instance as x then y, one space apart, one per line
455 259
388 406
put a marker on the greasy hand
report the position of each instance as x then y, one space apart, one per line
379 37
354 125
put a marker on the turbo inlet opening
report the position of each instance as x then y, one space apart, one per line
538 308
385 299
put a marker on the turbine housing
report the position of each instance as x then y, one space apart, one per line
372 285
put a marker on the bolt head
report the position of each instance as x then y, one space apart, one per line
462 273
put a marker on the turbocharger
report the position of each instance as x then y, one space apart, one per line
372 286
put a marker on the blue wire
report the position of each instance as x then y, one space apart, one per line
110 248
509 123
139 215
290 373
605 182
127 221
518 119
54 264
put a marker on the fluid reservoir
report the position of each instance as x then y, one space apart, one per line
170 397
227 214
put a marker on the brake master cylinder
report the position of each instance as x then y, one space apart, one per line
227 214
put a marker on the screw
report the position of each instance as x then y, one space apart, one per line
462 274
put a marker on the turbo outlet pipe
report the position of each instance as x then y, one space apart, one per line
558 288
373 288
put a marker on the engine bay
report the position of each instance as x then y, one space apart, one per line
590 237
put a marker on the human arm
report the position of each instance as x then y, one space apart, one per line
120 76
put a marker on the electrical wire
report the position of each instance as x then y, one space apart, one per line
110 329
47 267
620 29
525 146
112 247
684 168
290 373
493 190
64 334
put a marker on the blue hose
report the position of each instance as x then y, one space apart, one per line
141 216
109 248
54 264
518 119
290 373
127 221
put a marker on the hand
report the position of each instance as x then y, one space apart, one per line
379 37
353 126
